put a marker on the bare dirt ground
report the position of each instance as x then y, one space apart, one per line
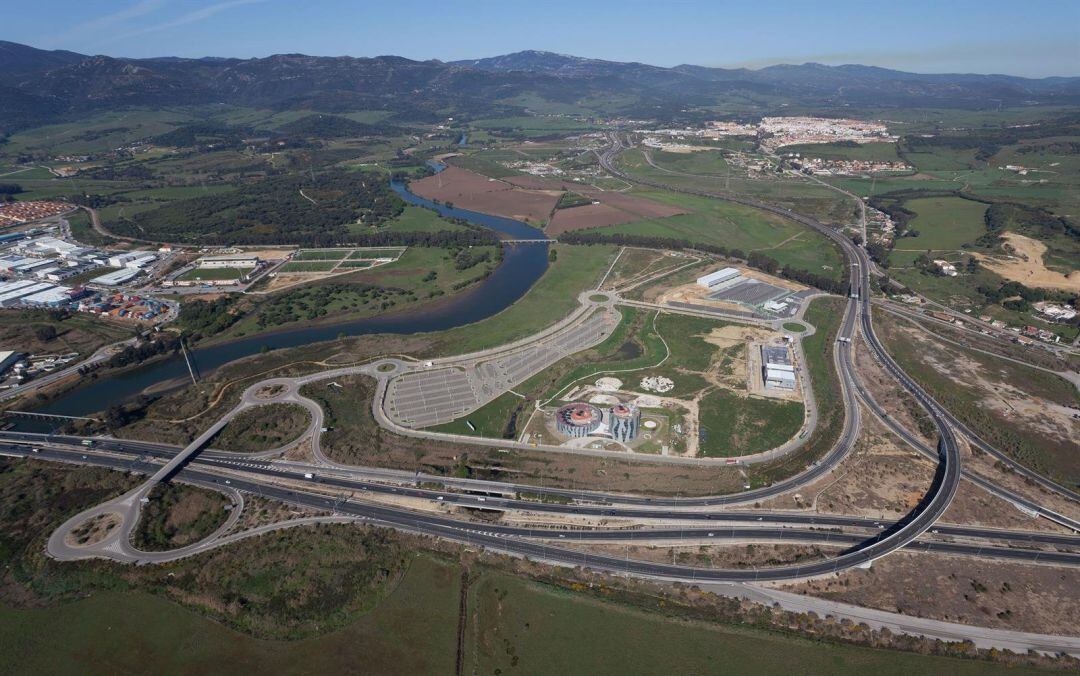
693 293
999 394
713 556
879 480
470 190
1020 597
888 394
93 530
587 216
1025 265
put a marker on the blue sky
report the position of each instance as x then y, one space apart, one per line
1018 37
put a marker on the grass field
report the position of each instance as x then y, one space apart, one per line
77 333
308 266
554 296
208 274
1029 439
526 628
872 152
733 425
737 227
415 219
944 223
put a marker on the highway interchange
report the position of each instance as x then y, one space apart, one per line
325 486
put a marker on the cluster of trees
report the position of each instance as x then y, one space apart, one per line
207 317
312 302
1015 291
335 126
273 211
988 142
469 257
127 172
137 354
10 188
755 259
438 238
201 134
1002 215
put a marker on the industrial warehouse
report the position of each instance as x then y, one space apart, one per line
777 370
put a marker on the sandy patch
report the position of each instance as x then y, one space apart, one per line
729 336
93 530
609 384
1026 266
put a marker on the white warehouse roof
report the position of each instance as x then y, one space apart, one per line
719 276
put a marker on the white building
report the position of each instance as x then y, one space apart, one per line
777 370
117 277
946 268
719 277
237 261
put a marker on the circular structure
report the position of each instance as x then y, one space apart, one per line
625 422
608 383
649 424
578 419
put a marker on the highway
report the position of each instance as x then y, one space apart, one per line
857 318
483 534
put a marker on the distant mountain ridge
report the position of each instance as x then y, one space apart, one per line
37 86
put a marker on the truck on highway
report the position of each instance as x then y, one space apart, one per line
87 442
308 475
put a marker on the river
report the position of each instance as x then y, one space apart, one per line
522 265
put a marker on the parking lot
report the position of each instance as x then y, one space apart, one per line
435 395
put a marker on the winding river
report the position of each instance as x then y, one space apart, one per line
522 265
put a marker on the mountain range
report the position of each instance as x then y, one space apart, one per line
39 86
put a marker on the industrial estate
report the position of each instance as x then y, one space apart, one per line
395 366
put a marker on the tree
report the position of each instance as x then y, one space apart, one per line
45 333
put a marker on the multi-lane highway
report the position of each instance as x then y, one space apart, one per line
727 527
857 318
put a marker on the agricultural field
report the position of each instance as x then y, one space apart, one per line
737 227
870 152
943 224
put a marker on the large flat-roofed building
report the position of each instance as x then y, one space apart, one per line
54 296
14 297
8 359
117 277
237 261
778 372
714 279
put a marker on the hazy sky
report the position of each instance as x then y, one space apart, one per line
1017 37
